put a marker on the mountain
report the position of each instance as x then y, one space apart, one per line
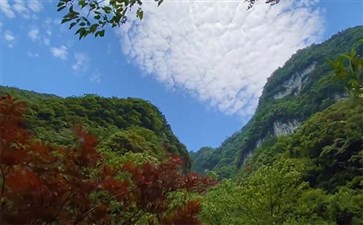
313 176
304 86
331 140
121 125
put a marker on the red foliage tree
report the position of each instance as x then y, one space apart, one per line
43 183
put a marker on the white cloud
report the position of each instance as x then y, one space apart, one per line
96 77
36 35
32 54
81 64
6 9
46 42
20 8
48 32
9 38
26 9
35 5
47 27
218 51
61 52
33 34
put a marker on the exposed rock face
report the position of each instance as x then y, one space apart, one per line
340 96
295 83
281 128
259 142
248 156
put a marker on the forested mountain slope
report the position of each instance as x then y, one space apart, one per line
121 125
313 176
303 86
128 178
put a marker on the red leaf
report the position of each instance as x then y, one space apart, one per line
22 180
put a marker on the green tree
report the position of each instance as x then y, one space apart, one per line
266 197
348 68
136 140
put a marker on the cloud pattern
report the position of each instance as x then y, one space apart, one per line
82 62
6 9
9 38
19 6
60 52
217 51
40 32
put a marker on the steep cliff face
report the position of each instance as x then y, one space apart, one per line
295 83
303 86
285 128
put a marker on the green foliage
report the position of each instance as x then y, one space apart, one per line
204 156
122 125
313 176
136 140
266 197
349 69
279 194
92 16
333 141
115 159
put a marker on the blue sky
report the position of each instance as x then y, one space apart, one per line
202 63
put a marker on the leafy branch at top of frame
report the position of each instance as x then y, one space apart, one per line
93 16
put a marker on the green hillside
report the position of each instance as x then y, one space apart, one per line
308 167
314 176
303 86
121 125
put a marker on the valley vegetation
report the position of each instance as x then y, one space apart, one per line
47 183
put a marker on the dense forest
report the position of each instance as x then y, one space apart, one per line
47 179
122 125
97 160
313 176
